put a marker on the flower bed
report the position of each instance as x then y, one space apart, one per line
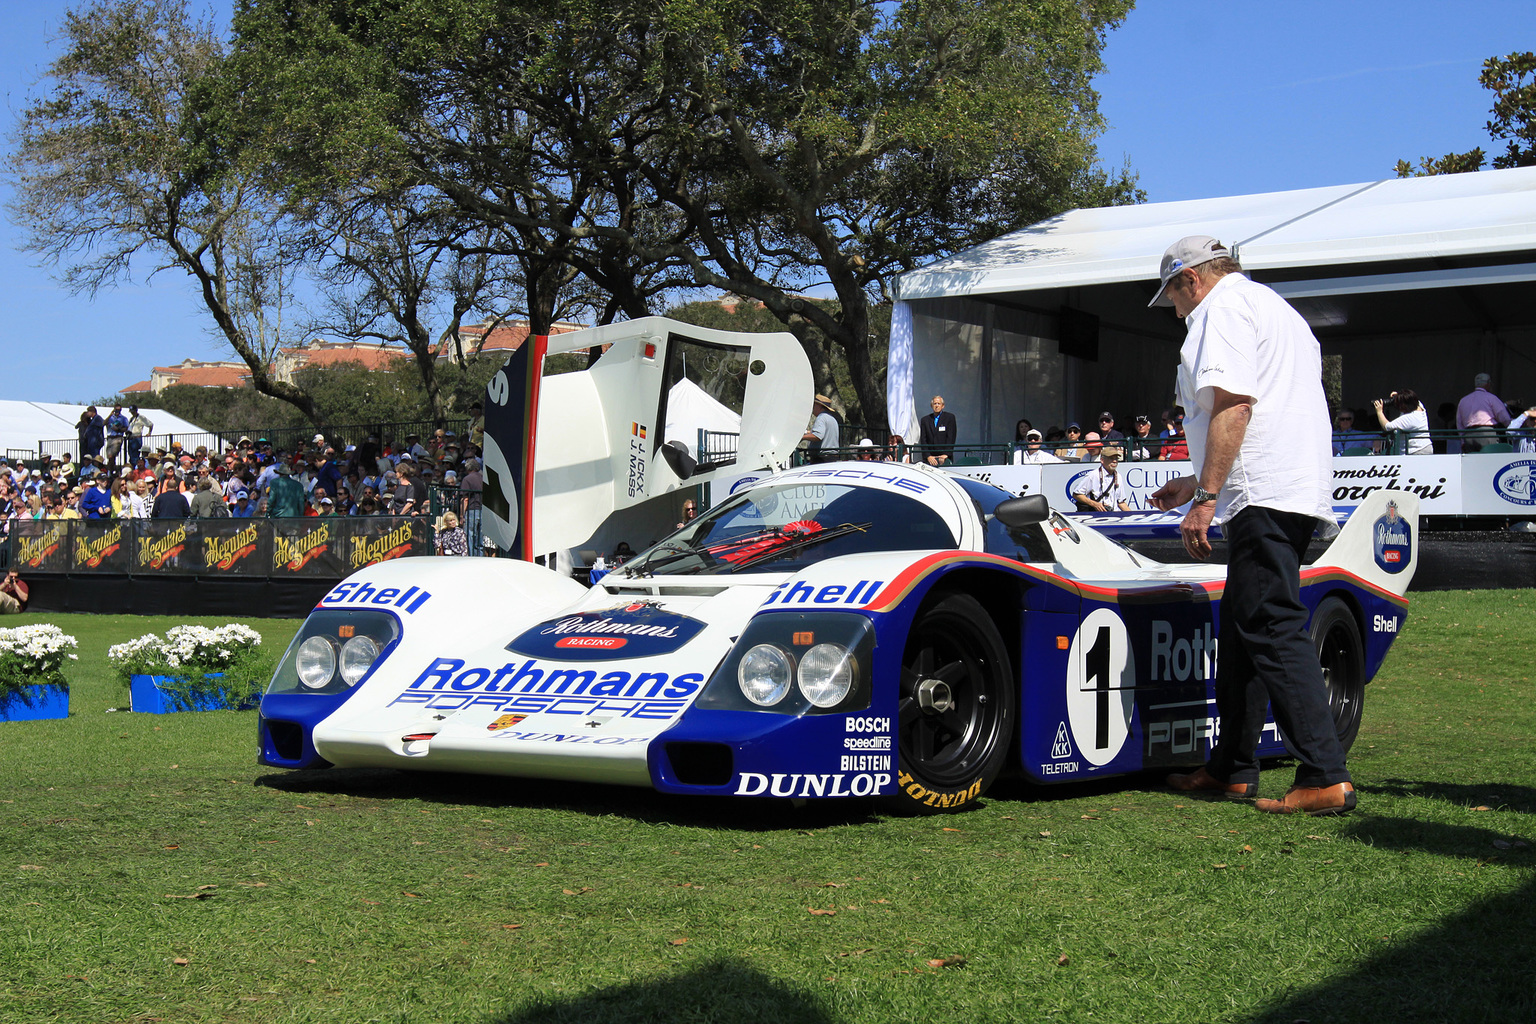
32 683
194 668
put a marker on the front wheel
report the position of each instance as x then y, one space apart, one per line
1342 655
955 712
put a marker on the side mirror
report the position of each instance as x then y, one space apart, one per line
681 463
1024 511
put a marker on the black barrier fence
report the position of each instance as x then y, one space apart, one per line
311 548
282 438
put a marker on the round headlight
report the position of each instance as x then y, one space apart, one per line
316 662
827 674
764 674
357 657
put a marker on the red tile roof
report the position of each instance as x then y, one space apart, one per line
141 388
214 377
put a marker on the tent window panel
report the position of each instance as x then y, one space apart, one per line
1027 383
706 388
947 360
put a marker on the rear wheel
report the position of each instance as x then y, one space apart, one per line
1342 655
956 709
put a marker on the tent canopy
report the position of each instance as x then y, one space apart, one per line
23 424
1407 282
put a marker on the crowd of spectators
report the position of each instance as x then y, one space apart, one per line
251 478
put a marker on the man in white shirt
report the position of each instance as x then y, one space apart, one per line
1032 454
1250 380
1101 489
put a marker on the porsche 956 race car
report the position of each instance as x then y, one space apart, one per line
854 629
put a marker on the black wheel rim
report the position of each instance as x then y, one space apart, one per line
1342 675
947 747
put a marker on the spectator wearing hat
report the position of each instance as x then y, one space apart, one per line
285 495
139 427
1141 446
1072 450
1107 431
1479 414
937 433
117 435
824 434
1032 454
242 507
1101 490
96 502
1092 445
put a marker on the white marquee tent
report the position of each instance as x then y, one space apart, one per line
24 424
1412 282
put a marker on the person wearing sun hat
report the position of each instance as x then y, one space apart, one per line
1256 419
824 435
1102 490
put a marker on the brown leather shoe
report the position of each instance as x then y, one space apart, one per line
1202 781
1313 800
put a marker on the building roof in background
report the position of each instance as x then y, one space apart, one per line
502 339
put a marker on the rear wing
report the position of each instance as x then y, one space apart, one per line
729 402
1380 542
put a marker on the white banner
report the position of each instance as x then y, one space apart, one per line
1447 485
1499 485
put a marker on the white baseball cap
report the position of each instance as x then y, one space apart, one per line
1189 251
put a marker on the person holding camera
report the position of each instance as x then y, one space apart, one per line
1410 418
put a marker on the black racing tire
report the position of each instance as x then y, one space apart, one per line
1341 652
955 708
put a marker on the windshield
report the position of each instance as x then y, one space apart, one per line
793 525
1023 544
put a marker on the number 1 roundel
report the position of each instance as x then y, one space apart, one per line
1101 672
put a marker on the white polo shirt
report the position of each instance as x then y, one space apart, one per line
1246 339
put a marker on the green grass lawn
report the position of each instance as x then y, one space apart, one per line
155 872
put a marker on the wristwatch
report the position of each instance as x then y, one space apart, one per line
1202 496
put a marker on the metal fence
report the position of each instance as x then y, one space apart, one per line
282 438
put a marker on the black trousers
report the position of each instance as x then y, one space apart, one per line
1266 656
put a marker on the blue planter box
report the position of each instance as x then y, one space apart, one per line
36 702
145 695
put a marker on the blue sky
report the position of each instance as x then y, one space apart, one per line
1202 99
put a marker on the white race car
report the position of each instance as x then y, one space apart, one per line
855 629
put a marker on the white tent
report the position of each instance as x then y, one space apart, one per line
1417 282
24 424
691 409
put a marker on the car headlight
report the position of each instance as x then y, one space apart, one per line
316 662
764 675
357 657
827 673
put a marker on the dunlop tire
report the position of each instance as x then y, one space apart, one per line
954 776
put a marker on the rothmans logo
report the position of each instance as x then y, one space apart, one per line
642 629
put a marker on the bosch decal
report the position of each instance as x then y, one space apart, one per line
1392 541
1516 482
638 630
407 600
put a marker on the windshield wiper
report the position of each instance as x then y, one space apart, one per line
680 552
795 542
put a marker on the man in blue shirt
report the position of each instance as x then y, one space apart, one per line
97 503
117 435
